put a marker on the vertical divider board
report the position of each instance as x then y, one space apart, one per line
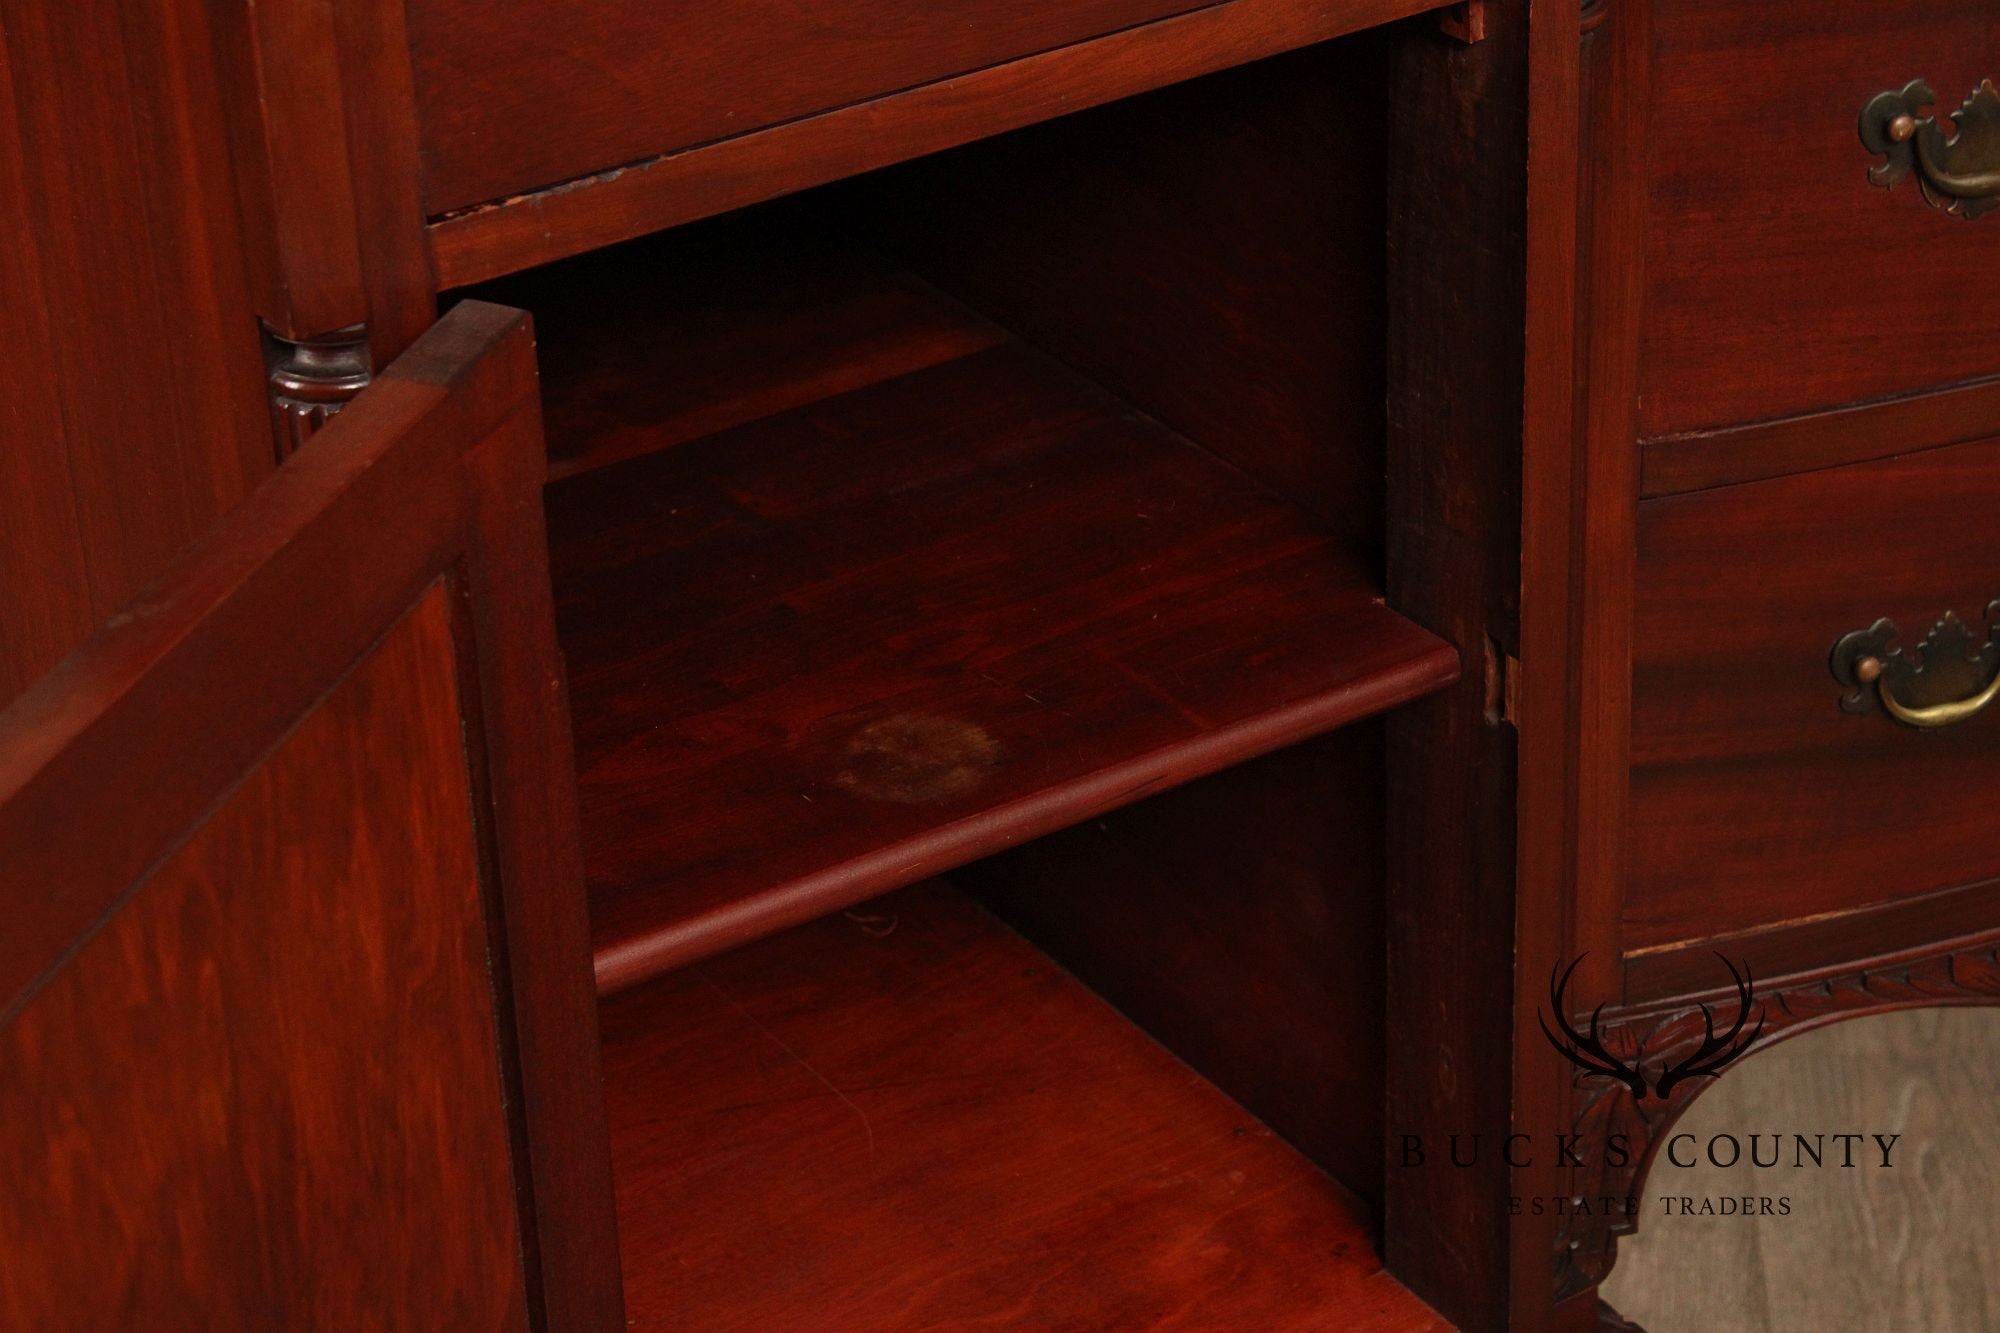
323 140
1481 455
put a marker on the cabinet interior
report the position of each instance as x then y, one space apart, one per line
970 582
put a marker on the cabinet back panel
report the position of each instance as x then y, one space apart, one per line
1214 253
1239 920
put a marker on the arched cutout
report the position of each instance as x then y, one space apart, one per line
1831 1245
1604 1113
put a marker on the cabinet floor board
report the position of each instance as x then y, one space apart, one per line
906 1117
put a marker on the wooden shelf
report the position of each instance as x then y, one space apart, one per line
679 336
963 599
909 1118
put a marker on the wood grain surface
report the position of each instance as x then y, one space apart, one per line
277 1067
1851 434
1212 253
651 344
1755 798
1458 306
301 966
850 645
905 1118
1863 1250
132 405
640 197
1259 888
44 569
324 139
504 110
1778 279
1797 947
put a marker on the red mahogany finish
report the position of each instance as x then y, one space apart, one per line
911 1091
756 315
631 198
1243 302
1059 510
1781 280
1756 798
133 410
957 692
1258 879
1806 473
195 1161
1856 433
333 950
632 80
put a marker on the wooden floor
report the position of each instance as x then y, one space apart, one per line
1913 1247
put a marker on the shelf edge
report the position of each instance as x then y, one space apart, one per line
1430 665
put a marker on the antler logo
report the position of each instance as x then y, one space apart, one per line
1706 1061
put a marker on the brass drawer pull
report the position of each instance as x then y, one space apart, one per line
1950 678
1959 174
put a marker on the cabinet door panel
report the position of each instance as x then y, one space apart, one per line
297 1022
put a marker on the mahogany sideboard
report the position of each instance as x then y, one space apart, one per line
868 664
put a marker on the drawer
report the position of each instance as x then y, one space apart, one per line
1779 279
518 96
1757 798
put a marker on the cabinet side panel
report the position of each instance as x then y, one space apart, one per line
1471 304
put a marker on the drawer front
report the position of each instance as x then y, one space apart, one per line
518 96
1757 798
1779 278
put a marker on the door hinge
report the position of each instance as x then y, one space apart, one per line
1503 676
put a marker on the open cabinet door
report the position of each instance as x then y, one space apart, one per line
296 1020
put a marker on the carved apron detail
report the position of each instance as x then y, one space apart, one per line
1587 1245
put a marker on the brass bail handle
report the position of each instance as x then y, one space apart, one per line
1951 678
1871 671
1957 166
